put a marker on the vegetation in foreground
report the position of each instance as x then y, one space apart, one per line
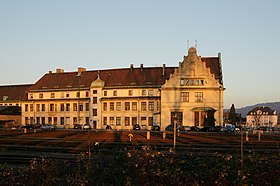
147 166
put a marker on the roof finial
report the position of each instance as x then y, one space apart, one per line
98 74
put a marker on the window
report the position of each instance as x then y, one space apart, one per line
112 105
105 121
130 92
81 107
115 93
151 106
43 107
127 121
75 120
26 107
94 100
127 106
52 95
78 94
104 106
55 120
49 120
94 112
134 120
31 96
67 94
87 94
118 121
112 120
75 106
150 92
38 120
67 106
184 97
31 108
43 120
119 106
143 106
51 107
182 82
94 91
144 92
134 106
199 97
26 120
150 121
105 93
37 107
143 120
41 96
61 107
87 106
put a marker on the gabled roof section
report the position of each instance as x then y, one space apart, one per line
263 111
13 92
112 78
214 65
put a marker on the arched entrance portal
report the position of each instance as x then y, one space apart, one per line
203 116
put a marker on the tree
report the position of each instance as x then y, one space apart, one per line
232 115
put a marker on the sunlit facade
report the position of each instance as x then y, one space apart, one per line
186 94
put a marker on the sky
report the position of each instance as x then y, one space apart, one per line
40 36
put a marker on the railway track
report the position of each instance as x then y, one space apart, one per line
20 148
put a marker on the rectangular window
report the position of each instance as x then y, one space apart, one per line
184 97
143 106
198 96
144 93
75 106
134 106
105 121
143 120
49 120
119 106
81 107
127 121
31 108
94 100
104 106
67 94
151 106
38 107
43 108
26 107
87 94
87 106
26 120
134 120
78 94
150 121
55 120
87 119
75 120
130 92
150 92
112 121
61 107
43 120
115 93
38 120
182 82
41 96
127 106
118 121
67 106
52 95
51 107
94 91
112 105
105 93
31 120
94 112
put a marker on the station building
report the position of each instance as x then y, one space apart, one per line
186 94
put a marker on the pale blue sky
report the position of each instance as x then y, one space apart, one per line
39 36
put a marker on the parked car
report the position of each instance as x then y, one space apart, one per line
48 127
77 126
136 127
108 127
37 126
194 129
27 126
87 126
155 127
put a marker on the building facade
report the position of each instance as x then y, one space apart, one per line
262 117
187 94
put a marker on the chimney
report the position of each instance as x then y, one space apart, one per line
131 67
59 70
81 70
163 69
141 67
50 72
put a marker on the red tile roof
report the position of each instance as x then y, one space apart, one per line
13 92
116 77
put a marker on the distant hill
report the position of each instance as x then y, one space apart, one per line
244 110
